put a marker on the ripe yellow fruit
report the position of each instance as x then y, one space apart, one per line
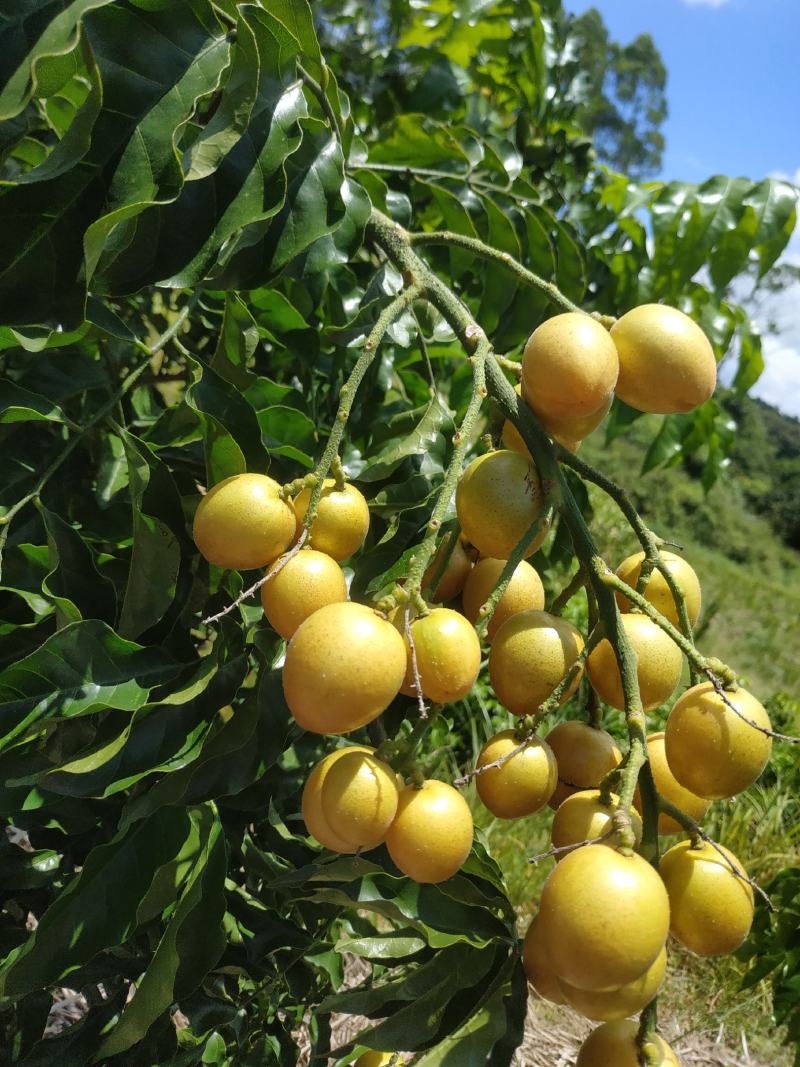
583 816
605 917
341 523
614 1045
660 663
666 362
359 798
658 592
584 756
711 908
671 789
311 806
309 581
567 432
498 497
431 835
448 655
455 574
242 523
531 653
619 1003
524 783
377 1059
711 750
524 592
569 366
537 966
343 667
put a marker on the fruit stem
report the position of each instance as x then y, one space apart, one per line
545 709
649 541
274 570
576 582
544 519
449 542
648 1021
392 311
696 831
505 259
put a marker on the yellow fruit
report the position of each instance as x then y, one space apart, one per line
343 667
619 1003
569 367
524 783
531 653
658 592
605 917
711 908
455 574
660 663
448 655
710 749
498 497
359 798
431 836
523 593
341 523
242 523
671 789
536 964
666 362
614 1045
582 816
584 756
567 432
309 581
313 815
377 1059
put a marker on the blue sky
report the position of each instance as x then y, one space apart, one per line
733 93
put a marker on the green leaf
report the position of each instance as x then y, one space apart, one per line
21 405
82 669
237 342
422 432
78 588
26 45
191 945
231 433
296 17
156 554
99 907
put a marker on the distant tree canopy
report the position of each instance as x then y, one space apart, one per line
624 103
614 93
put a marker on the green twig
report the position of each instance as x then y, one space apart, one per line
348 391
576 582
648 540
544 519
505 259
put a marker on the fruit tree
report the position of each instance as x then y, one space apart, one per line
301 329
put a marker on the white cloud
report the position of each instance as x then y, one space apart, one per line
779 385
781 175
705 3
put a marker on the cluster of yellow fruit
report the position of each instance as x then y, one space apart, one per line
654 358
598 940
